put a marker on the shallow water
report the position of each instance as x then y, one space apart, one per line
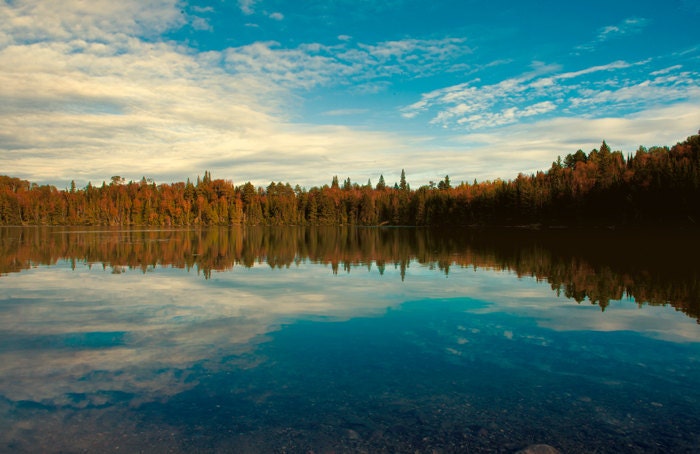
344 340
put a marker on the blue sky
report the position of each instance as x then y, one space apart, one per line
265 90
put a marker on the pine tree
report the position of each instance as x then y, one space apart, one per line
402 183
381 185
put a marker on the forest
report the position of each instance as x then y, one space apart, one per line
659 185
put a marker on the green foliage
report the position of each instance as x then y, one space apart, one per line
402 183
381 184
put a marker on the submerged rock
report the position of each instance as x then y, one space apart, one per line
539 449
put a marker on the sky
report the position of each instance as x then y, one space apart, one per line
272 90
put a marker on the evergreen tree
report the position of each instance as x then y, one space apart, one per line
402 182
445 184
381 185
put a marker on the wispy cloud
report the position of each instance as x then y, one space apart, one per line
414 57
202 9
99 20
85 109
420 51
476 106
311 65
246 6
629 26
344 112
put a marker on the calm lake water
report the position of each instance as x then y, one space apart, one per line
348 340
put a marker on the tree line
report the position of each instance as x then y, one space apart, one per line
656 185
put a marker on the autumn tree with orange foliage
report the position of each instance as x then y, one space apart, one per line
658 185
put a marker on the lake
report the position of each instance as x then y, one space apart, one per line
348 340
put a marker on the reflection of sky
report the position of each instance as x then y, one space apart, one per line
92 331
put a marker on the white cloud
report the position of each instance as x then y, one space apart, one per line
200 23
246 6
311 65
637 95
594 69
97 20
483 106
542 91
666 70
276 16
527 148
83 108
412 56
202 9
539 108
629 26
304 67
343 112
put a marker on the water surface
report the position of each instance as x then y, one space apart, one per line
347 340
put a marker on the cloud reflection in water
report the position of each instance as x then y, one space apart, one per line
148 329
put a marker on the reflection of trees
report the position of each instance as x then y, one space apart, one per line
652 267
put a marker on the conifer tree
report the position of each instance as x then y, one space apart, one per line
402 182
381 185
